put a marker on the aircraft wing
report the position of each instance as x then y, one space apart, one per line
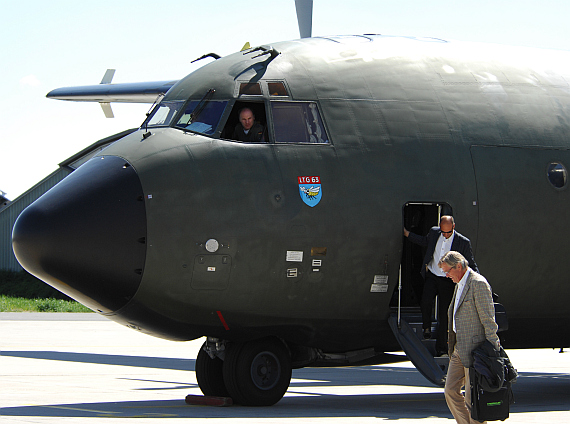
105 92
133 92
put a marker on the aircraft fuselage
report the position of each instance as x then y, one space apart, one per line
407 120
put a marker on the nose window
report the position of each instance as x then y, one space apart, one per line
162 114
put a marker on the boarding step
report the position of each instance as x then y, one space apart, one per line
414 320
434 369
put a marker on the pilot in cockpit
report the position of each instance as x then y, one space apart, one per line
248 129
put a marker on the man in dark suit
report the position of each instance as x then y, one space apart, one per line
471 317
439 241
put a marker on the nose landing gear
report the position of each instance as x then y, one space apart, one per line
254 373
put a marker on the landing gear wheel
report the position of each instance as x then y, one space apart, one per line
209 373
257 373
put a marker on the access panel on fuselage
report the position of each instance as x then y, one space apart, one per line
523 228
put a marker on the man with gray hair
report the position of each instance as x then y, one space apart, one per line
471 320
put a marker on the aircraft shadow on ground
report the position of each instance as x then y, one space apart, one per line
534 392
103 359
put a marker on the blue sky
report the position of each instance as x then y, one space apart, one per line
46 45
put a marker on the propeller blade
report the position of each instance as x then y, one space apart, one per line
304 17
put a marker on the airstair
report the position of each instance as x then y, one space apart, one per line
407 327
406 324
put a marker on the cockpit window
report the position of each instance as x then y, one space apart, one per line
203 119
250 88
277 89
298 122
162 114
253 129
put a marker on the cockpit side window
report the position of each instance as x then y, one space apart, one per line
162 114
235 130
298 122
201 117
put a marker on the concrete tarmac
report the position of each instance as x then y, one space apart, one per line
83 368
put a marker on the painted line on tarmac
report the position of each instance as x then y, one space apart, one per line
78 409
114 414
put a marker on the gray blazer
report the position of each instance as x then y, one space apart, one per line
475 318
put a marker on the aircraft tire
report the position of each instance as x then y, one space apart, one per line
257 373
209 374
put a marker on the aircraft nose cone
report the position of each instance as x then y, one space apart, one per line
87 235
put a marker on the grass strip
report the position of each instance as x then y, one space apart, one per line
20 304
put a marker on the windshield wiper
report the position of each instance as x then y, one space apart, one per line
147 133
201 105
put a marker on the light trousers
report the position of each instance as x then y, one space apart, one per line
459 405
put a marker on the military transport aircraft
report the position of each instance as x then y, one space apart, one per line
289 253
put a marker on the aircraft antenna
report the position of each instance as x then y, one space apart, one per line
270 50
214 55
106 106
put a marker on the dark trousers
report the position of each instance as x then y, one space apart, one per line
442 287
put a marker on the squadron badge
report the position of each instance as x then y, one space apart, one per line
310 190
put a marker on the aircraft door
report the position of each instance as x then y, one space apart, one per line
309 184
406 324
418 218
524 201
312 183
